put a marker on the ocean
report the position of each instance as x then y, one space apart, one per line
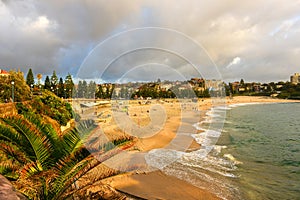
256 155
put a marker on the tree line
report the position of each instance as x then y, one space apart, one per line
65 88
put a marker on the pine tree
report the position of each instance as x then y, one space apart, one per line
47 84
99 93
30 78
61 88
69 86
79 90
54 80
91 90
242 82
84 89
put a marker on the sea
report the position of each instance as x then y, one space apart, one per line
251 153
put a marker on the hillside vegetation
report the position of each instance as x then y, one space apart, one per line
41 161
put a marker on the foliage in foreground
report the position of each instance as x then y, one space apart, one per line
41 163
44 163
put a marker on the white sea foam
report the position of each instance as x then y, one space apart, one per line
219 148
160 158
199 137
207 138
212 133
233 159
212 114
244 104
198 127
222 108
203 180
209 163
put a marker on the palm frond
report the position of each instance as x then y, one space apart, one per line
46 163
69 170
30 170
9 169
8 133
12 152
72 139
38 142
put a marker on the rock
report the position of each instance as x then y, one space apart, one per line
8 192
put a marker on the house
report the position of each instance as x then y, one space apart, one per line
166 87
295 79
214 84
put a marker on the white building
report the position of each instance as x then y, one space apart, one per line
295 79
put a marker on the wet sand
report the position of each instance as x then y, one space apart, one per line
157 185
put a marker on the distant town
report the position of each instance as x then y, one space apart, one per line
195 87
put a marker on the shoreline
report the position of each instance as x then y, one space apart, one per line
147 185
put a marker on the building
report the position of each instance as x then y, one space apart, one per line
214 84
166 87
3 73
295 79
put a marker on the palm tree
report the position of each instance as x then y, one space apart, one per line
42 163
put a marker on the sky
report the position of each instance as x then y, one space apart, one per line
147 39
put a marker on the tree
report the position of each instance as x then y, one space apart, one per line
100 92
61 88
91 90
29 78
79 92
109 90
124 92
54 80
47 84
82 89
20 89
242 82
69 86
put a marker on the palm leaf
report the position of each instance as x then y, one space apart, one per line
38 143
70 170
8 133
47 130
9 169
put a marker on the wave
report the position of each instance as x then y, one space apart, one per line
160 158
233 159
198 127
222 108
245 104
210 172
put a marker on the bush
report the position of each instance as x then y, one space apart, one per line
49 106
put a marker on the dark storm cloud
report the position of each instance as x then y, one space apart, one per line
254 40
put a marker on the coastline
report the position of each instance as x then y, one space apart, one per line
156 184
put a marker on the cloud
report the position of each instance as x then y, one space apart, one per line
235 61
57 35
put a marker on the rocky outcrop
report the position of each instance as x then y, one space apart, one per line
8 192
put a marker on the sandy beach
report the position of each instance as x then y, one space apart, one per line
155 184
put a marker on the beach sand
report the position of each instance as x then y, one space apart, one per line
156 184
